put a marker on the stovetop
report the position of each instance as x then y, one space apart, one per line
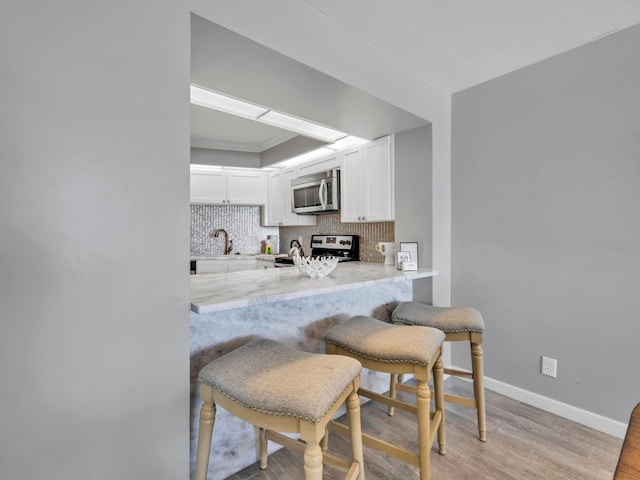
345 247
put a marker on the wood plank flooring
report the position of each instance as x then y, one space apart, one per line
523 443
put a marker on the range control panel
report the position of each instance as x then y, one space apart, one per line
334 242
345 247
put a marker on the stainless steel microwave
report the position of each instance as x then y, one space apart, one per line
317 193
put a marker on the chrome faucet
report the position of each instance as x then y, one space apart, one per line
228 244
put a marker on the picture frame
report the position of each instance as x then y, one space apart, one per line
402 257
412 248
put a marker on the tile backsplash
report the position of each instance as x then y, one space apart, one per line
370 234
241 222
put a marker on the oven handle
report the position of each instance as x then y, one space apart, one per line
323 193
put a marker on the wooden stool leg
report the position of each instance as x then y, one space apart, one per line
423 402
393 381
207 417
264 448
438 387
355 429
324 443
477 365
312 461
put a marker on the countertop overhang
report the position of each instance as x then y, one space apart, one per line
225 291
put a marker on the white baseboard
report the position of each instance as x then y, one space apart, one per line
584 417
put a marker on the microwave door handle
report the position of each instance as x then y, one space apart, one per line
323 193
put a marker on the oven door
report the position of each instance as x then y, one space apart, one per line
280 262
308 197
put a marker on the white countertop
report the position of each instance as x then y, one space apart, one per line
225 291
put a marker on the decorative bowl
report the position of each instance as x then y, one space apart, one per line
315 267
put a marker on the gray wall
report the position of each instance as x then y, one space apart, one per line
227 158
546 223
413 198
236 65
298 145
94 240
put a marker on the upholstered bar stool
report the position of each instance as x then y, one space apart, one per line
279 389
458 324
387 348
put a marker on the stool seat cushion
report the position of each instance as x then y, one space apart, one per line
271 378
380 341
447 319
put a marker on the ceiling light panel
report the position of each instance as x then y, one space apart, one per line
346 142
303 127
312 155
210 99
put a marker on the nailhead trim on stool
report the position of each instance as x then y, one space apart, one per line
395 349
280 389
459 324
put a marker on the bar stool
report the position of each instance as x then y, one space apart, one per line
387 348
458 324
279 389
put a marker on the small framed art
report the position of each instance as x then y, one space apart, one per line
402 257
412 248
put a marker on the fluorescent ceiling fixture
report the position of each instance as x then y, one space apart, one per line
216 101
303 127
312 155
206 168
216 168
346 142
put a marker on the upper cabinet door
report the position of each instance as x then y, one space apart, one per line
228 186
319 165
275 205
208 186
246 187
379 181
367 190
352 185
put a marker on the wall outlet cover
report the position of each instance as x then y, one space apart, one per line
549 367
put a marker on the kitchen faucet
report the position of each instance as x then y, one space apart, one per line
228 244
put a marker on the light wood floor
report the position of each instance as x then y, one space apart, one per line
523 442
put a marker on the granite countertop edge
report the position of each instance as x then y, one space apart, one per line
219 292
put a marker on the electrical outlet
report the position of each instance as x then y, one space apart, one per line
549 367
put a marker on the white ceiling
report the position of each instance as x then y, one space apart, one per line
213 129
452 44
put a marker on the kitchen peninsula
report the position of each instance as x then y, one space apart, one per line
228 310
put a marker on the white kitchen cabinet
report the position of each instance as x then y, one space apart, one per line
320 165
279 207
275 204
246 187
264 264
228 186
225 266
212 266
367 182
208 186
244 264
